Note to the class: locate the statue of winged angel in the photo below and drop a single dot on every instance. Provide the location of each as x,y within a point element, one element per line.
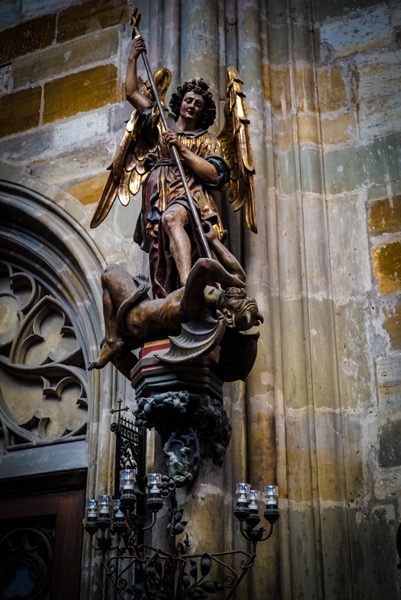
<point>166,228</point>
<point>181,166</point>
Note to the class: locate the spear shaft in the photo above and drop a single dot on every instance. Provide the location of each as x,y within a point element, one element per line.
<point>192,207</point>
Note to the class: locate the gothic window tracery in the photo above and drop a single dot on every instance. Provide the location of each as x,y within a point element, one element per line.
<point>43,383</point>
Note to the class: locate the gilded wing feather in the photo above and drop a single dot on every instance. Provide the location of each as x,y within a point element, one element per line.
<point>235,142</point>
<point>127,171</point>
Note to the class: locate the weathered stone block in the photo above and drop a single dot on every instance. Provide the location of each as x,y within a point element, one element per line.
<point>386,259</point>
<point>89,190</point>
<point>20,111</point>
<point>299,449</point>
<point>281,90</point>
<point>389,438</point>
<point>353,362</point>
<point>353,461</point>
<point>339,130</point>
<point>362,30</point>
<point>65,170</point>
<point>349,250</point>
<point>22,148</point>
<point>310,167</point>
<point>10,13</point>
<point>266,85</point>
<point>336,555</point>
<point>385,215</point>
<point>80,92</point>
<point>343,170</point>
<point>348,168</point>
<point>392,325</point>
<point>306,581</point>
<point>338,443</point>
<point>331,87</point>
<point>278,43</point>
<point>329,9</point>
<point>379,84</point>
<point>382,158</point>
<point>388,370</point>
<point>372,535</point>
<point>27,37</point>
<point>305,88</point>
<point>303,38</point>
<point>35,8</point>
<point>91,16</point>
<point>82,131</point>
<point>283,131</point>
<point>321,342</point>
<point>52,62</point>
<point>308,129</point>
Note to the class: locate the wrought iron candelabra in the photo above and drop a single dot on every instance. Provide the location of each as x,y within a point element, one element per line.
<point>117,529</point>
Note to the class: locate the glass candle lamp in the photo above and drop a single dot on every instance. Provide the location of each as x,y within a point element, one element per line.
<point>241,511</point>
<point>127,480</point>
<point>154,483</point>
<point>271,513</point>
<point>155,502</point>
<point>242,493</point>
<point>252,500</point>
<point>104,506</point>
<point>271,496</point>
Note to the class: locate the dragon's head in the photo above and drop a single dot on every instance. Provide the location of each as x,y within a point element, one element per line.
<point>238,310</point>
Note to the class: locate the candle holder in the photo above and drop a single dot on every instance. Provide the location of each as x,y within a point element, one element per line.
<point>141,571</point>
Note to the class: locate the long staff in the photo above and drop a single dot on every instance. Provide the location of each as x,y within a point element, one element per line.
<point>135,19</point>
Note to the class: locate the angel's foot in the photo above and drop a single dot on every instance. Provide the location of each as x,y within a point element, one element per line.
<point>109,349</point>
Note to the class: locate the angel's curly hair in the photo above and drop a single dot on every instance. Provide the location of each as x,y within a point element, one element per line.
<point>197,86</point>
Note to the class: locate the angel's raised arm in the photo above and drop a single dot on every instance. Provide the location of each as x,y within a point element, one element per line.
<point>134,96</point>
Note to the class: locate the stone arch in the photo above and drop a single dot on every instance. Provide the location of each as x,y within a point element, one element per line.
<point>54,267</point>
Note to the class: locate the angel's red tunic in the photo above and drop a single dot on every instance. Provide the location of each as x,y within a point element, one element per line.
<point>164,187</point>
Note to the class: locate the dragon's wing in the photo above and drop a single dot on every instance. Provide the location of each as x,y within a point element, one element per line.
<point>234,139</point>
<point>127,171</point>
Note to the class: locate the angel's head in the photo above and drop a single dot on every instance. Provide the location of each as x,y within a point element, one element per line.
<point>200,88</point>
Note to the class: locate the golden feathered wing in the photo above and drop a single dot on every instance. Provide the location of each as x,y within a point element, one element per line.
<point>235,142</point>
<point>127,171</point>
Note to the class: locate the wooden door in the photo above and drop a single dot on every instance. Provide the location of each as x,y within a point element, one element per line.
<point>40,546</point>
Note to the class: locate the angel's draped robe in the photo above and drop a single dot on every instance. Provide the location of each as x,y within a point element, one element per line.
<point>163,187</point>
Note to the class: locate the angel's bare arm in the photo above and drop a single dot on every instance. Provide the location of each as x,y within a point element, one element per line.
<point>134,96</point>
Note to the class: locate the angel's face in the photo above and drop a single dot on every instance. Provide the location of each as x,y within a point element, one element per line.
<point>191,108</point>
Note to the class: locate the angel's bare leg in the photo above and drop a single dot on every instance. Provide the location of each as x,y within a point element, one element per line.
<point>117,285</point>
<point>174,220</point>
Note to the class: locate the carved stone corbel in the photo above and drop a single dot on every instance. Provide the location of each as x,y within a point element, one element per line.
<point>184,405</point>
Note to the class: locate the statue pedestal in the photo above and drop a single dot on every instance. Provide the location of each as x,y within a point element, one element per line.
<point>183,402</point>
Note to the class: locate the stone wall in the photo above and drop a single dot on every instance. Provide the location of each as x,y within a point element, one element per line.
<point>321,413</point>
